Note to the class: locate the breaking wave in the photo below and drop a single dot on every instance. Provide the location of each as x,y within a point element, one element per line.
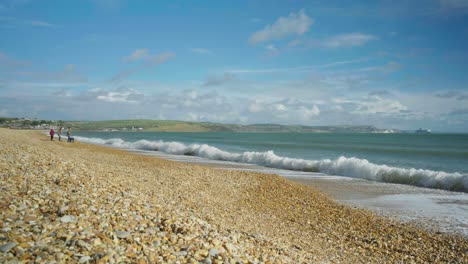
<point>342,166</point>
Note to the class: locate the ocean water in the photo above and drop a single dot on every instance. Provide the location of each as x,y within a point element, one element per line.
<point>438,161</point>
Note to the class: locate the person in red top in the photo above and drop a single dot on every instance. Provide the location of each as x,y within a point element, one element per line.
<point>52,133</point>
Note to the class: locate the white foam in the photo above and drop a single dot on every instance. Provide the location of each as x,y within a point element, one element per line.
<point>342,166</point>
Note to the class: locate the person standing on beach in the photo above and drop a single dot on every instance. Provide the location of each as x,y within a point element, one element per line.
<point>69,134</point>
<point>59,133</point>
<point>51,133</point>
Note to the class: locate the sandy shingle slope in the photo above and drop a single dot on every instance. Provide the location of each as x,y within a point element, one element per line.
<point>81,203</point>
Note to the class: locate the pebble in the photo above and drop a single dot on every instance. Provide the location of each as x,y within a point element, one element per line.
<point>7,246</point>
<point>68,219</point>
<point>122,234</point>
<point>84,259</point>
<point>214,252</point>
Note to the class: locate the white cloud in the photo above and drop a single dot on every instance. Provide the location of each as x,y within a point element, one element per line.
<point>289,111</point>
<point>346,40</point>
<point>294,24</point>
<point>119,95</point>
<point>377,105</point>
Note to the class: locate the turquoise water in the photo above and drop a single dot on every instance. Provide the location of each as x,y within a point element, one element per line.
<point>429,160</point>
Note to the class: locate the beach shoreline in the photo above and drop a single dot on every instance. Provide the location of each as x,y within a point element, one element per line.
<point>434,210</point>
<point>204,213</point>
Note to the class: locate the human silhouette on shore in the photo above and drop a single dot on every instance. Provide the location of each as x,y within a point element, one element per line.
<point>69,135</point>
<point>52,133</point>
<point>59,133</point>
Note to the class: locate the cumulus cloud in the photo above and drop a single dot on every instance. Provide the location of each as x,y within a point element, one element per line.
<point>376,104</point>
<point>370,105</point>
<point>295,24</point>
<point>119,95</point>
<point>291,111</point>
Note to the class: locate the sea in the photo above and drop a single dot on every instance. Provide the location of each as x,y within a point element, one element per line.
<point>420,178</point>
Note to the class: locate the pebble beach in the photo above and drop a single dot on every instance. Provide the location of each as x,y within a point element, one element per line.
<point>79,203</point>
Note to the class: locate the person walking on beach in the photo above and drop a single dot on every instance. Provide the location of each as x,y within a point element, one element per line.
<point>59,133</point>
<point>69,134</point>
<point>51,133</point>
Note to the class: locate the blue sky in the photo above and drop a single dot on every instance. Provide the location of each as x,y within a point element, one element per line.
<point>392,64</point>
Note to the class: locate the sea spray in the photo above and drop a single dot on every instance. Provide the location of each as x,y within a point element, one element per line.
<point>342,166</point>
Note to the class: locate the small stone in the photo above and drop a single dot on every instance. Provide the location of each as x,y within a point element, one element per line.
<point>97,242</point>
<point>207,261</point>
<point>216,242</point>
<point>84,259</point>
<point>214,252</point>
<point>203,252</point>
<point>122,234</point>
<point>67,219</point>
<point>62,210</point>
<point>7,247</point>
<point>29,218</point>
<point>25,245</point>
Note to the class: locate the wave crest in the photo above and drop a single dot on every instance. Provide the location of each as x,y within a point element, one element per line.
<point>342,166</point>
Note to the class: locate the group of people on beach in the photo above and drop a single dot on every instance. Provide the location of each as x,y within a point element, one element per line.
<point>59,133</point>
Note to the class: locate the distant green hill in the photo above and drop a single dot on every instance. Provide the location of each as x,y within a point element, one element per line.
<point>182,126</point>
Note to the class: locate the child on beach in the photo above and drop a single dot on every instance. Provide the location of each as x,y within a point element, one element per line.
<point>51,133</point>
